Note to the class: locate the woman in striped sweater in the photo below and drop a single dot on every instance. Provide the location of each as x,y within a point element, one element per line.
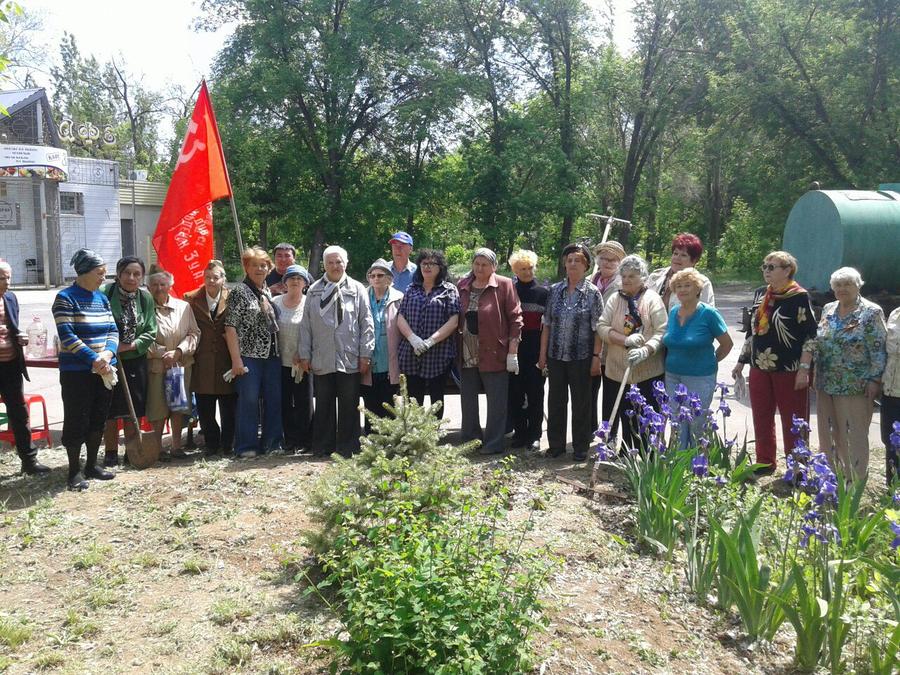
<point>88,340</point>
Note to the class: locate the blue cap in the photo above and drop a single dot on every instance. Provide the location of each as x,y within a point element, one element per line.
<point>297,271</point>
<point>402,237</point>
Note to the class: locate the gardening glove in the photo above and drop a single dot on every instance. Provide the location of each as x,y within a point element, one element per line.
<point>110,379</point>
<point>512,363</point>
<point>297,373</point>
<point>635,356</point>
<point>417,344</point>
<point>634,340</point>
<point>228,376</point>
<point>427,343</point>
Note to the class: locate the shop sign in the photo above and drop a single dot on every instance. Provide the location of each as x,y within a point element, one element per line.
<point>23,161</point>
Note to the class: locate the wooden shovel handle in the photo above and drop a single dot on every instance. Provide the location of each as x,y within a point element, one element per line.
<point>124,381</point>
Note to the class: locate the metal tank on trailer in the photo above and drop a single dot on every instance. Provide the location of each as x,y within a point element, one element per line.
<point>828,229</point>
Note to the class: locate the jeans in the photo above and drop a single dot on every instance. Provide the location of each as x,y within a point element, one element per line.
<point>703,386</point>
<point>263,381</point>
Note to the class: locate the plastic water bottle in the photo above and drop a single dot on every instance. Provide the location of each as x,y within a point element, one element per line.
<point>37,339</point>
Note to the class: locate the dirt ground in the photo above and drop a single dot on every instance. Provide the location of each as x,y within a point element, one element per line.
<point>190,567</point>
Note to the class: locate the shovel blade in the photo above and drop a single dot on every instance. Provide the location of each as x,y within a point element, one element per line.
<point>142,449</point>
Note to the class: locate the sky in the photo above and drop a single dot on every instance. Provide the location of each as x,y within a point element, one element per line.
<point>156,39</point>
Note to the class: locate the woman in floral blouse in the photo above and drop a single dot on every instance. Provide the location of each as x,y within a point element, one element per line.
<point>849,357</point>
<point>782,324</point>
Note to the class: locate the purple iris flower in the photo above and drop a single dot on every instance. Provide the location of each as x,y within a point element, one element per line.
<point>603,432</point>
<point>723,388</point>
<point>681,394</point>
<point>800,427</point>
<point>724,408</point>
<point>700,466</point>
<point>659,392</point>
<point>895,436</point>
<point>721,481</point>
<point>704,443</point>
<point>895,528</point>
<point>604,452</point>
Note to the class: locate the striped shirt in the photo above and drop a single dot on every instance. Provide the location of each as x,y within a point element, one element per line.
<point>86,327</point>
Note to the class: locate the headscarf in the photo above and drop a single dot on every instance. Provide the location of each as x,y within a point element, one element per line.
<point>611,246</point>
<point>128,325</point>
<point>485,253</point>
<point>85,260</point>
<point>763,315</point>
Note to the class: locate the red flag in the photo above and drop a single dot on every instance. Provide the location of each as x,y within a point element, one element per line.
<point>184,232</point>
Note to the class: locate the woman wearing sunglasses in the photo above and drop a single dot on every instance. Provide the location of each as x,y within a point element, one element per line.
<point>782,325</point>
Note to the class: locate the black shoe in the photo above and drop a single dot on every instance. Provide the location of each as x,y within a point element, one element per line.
<point>518,442</point>
<point>210,451</point>
<point>77,483</point>
<point>533,445</point>
<point>580,455</point>
<point>97,473</point>
<point>764,470</point>
<point>32,467</point>
<point>556,452</point>
<point>111,459</point>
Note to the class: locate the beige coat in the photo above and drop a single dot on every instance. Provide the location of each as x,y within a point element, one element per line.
<point>654,317</point>
<point>211,359</point>
<point>176,328</point>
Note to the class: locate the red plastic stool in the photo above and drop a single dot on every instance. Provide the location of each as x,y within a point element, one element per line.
<point>36,434</point>
<point>144,423</point>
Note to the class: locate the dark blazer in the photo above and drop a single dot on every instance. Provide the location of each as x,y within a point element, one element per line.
<point>11,307</point>
<point>211,359</point>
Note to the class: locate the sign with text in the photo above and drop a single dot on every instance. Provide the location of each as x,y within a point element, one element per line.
<point>23,161</point>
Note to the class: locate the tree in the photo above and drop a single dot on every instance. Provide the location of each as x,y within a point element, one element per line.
<point>20,54</point>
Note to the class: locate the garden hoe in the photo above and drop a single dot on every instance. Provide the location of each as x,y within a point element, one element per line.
<point>143,447</point>
<point>612,416</point>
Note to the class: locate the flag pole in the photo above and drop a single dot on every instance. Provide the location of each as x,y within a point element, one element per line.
<point>234,215</point>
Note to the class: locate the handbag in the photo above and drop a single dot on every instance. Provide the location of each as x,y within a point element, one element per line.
<point>173,385</point>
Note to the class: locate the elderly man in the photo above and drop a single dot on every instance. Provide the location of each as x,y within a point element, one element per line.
<point>12,371</point>
<point>402,268</point>
<point>337,339</point>
<point>284,257</point>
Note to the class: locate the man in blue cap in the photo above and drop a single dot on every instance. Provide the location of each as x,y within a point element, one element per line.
<point>402,268</point>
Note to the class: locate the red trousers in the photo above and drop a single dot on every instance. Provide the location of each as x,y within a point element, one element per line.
<point>770,391</point>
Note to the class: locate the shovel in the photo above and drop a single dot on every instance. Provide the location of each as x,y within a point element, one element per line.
<point>142,449</point>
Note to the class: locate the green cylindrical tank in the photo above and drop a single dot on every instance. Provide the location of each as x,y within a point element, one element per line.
<point>828,229</point>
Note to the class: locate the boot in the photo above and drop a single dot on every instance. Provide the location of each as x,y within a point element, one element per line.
<point>31,466</point>
<point>76,481</point>
<point>91,470</point>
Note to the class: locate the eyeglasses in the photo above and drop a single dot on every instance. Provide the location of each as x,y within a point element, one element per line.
<point>379,275</point>
<point>769,267</point>
<point>428,263</point>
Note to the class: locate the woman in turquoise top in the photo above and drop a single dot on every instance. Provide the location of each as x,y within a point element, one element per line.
<point>692,361</point>
<point>849,353</point>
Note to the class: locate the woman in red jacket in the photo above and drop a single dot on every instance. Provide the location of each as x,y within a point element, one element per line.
<point>490,327</point>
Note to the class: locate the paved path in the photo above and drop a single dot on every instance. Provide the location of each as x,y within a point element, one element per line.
<point>730,299</point>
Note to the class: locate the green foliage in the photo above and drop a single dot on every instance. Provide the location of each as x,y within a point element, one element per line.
<point>13,631</point>
<point>745,243</point>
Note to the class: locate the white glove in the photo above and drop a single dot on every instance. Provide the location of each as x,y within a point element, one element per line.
<point>634,340</point>
<point>228,376</point>
<point>110,379</point>
<point>512,363</point>
<point>427,344</point>
<point>417,343</point>
<point>635,356</point>
<point>297,373</point>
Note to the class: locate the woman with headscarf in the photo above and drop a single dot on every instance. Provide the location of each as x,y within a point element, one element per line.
<point>607,257</point>
<point>782,325</point>
<point>336,344</point>
<point>135,314</point>
<point>88,342</point>
<point>211,361</point>
<point>632,326</point>
<point>430,308</point>
<point>176,341</point>
<point>686,252</point>
<point>296,388</point>
<point>382,381</point>
<point>251,333</point>
<point>490,328</point>
<point>570,352</point>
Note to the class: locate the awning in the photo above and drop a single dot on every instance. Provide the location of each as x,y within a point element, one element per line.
<point>42,161</point>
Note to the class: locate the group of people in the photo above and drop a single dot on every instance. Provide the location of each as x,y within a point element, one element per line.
<point>286,358</point>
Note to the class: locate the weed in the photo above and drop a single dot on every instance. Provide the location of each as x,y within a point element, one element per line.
<point>79,627</point>
<point>49,660</point>
<point>183,518</point>
<point>13,632</point>
<point>194,566</point>
<point>233,652</point>
<point>164,628</point>
<point>288,630</point>
<point>94,556</point>
<point>102,597</point>
<point>227,611</point>
<point>146,559</point>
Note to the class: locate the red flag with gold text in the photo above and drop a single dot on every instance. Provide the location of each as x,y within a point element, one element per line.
<point>184,232</point>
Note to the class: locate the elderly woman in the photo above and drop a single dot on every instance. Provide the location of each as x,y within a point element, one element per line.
<point>632,325</point>
<point>849,354</point>
<point>336,343</point>
<point>890,397</point>
<point>490,329</point>
<point>88,342</point>
<point>177,336</point>
<point>430,307</point>
<point>380,384</point>
<point>692,359</point>
<point>607,257</point>
<point>686,252</point>
<point>568,350</point>
<point>782,323</point>
<point>211,360</point>
<point>296,390</point>
<point>525,414</point>
<point>251,333</point>
<point>135,316</point>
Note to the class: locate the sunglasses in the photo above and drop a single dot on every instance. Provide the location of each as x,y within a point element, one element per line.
<point>377,275</point>
<point>769,267</point>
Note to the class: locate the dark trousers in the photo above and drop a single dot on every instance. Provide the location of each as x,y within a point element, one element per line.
<point>214,436</point>
<point>417,387</point>
<point>569,377</point>
<point>11,382</point>
<point>336,420</point>
<point>375,395</point>
<point>526,403</point>
<point>85,407</point>
<point>496,390</point>
<point>296,409</point>
<point>630,436</point>
<point>890,413</point>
